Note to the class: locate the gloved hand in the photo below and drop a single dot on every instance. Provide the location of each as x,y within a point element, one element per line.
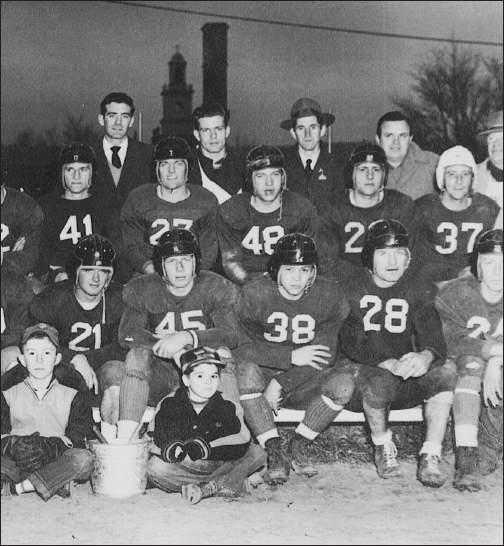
<point>8,442</point>
<point>174,452</point>
<point>33,452</point>
<point>197,448</point>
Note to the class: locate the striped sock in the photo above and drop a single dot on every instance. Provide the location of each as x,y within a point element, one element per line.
<point>319,415</point>
<point>133,399</point>
<point>258,415</point>
<point>466,410</point>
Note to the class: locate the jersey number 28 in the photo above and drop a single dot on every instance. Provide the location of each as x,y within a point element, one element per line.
<point>396,314</point>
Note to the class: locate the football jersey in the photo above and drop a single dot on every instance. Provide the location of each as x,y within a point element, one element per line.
<point>389,322</point>
<point>16,295</point>
<point>151,309</point>
<point>21,217</point>
<point>446,237</point>
<point>248,236</point>
<point>66,221</point>
<point>471,325</point>
<point>93,331</point>
<point>349,222</point>
<point>273,326</point>
<point>145,217</point>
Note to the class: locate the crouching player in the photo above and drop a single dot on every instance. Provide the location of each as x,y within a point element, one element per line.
<point>395,351</point>
<point>202,447</point>
<point>471,311</point>
<point>44,423</point>
<point>290,328</point>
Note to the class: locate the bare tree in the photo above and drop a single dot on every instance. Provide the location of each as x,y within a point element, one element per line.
<point>455,89</point>
<point>76,129</point>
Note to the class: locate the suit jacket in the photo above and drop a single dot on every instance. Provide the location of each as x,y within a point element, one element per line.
<point>324,183</point>
<point>135,171</point>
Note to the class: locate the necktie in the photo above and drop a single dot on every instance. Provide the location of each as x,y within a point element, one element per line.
<point>116,160</point>
<point>308,169</point>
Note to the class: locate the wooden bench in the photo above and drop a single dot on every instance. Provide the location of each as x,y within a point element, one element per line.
<point>296,416</point>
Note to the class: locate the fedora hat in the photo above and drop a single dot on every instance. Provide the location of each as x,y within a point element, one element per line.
<point>308,107</point>
<point>493,124</point>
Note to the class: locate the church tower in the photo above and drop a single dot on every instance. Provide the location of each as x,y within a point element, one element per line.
<point>177,101</point>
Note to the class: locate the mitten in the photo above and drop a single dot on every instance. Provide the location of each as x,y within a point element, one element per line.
<point>197,448</point>
<point>174,452</point>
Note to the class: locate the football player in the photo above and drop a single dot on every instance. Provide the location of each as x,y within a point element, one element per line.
<point>471,311</point>
<point>181,307</point>
<point>86,310</point>
<point>395,351</point>
<point>366,201</point>
<point>250,224</point>
<point>449,223</point>
<point>74,212</point>
<point>290,323</point>
<point>151,210</point>
<point>22,220</point>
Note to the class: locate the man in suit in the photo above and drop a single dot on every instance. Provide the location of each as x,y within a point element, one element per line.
<point>123,163</point>
<point>311,170</point>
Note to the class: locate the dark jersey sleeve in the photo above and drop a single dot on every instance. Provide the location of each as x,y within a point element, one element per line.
<point>5,416</point>
<point>21,217</point>
<point>134,326</point>
<point>80,420</point>
<point>133,230</point>
<point>16,297</point>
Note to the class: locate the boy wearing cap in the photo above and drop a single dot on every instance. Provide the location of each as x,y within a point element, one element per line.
<point>152,210</point>
<point>489,173</point>
<point>202,447</point>
<point>311,170</point>
<point>44,424</point>
<point>449,223</point>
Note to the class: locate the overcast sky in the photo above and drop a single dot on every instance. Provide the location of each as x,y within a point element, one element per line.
<point>62,58</point>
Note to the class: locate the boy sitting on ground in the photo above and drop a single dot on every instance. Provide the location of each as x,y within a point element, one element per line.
<point>201,442</point>
<point>44,424</point>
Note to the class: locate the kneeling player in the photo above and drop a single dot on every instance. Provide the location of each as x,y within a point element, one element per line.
<point>291,324</point>
<point>395,350</point>
<point>471,311</point>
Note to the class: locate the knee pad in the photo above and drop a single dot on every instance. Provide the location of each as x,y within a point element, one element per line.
<point>138,363</point>
<point>379,389</point>
<point>339,387</point>
<point>470,365</point>
<point>110,374</point>
<point>250,378</point>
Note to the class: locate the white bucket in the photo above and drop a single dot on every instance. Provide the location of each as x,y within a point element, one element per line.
<point>119,467</point>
